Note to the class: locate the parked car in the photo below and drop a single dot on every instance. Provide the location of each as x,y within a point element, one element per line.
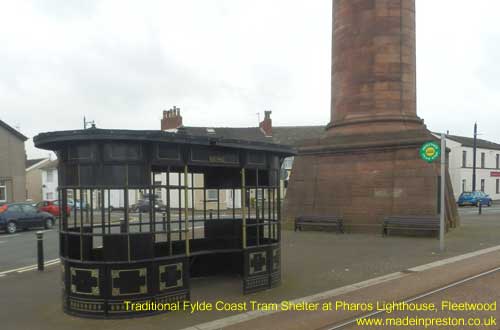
<point>143,205</point>
<point>474,198</point>
<point>79,205</point>
<point>52,207</point>
<point>17,216</point>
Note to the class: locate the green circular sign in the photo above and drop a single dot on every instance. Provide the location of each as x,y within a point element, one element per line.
<point>430,151</point>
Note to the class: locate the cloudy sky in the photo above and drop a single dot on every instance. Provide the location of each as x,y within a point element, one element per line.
<point>120,63</point>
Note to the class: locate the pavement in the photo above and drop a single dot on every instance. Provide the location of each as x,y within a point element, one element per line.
<point>313,263</point>
<point>410,284</point>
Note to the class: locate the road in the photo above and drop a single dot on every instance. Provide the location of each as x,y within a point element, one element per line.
<point>19,250</point>
<point>470,210</point>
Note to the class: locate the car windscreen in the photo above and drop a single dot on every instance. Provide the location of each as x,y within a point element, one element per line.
<point>28,209</point>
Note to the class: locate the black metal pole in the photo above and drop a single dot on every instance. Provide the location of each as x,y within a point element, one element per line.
<point>39,240</point>
<point>474,152</point>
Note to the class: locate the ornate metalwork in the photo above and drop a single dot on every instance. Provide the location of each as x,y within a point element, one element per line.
<point>170,276</point>
<point>138,235</point>
<point>129,282</point>
<point>85,281</point>
<point>257,262</point>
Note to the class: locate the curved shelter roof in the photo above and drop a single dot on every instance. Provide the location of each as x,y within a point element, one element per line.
<point>51,140</point>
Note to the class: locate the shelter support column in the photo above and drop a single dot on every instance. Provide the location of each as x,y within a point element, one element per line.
<point>186,211</point>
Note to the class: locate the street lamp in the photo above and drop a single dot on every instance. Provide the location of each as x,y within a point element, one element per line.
<point>474,152</point>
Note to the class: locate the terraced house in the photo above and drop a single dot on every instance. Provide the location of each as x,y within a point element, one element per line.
<point>12,165</point>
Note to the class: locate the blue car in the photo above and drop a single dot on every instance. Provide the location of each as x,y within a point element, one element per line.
<point>474,198</point>
<point>79,205</point>
<point>17,216</point>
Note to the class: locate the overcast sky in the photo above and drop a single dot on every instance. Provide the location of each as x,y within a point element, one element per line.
<point>121,63</point>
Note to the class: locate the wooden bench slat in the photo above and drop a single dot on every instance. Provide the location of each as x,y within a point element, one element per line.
<point>428,223</point>
<point>319,220</point>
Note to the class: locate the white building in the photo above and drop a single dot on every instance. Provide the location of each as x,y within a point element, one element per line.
<point>49,180</point>
<point>487,165</point>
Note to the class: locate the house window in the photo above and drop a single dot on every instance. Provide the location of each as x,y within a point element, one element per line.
<point>483,156</point>
<point>498,161</point>
<point>287,163</point>
<point>50,175</point>
<point>482,185</point>
<point>3,194</point>
<point>464,185</point>
<point>212,194</point>
<point>464,158</point>
<point>498,186</point>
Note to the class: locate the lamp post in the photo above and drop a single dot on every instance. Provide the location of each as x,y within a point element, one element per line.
<point>474,152</point>
<point>443,192</point>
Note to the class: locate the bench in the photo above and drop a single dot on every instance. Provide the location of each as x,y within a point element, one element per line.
<point>319,220</point>
<point>420,223</point>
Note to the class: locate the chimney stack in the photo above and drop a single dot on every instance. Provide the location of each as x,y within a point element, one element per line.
<point>172,119</point>
<point>267,124</point>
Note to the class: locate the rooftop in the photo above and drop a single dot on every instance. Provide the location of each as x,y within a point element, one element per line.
<point>242,138</point>
<point>469,142</point>
<point>15,132</point>
<point>50,165</point>
<point>284,135</point>
<point>31,162</point>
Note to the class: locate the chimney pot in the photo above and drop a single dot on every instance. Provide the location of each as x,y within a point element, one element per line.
<point>267,124</point>
<point>172,119</point>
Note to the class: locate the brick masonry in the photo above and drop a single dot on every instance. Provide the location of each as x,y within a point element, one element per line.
<point>365,184</point>
<point>368,165</point>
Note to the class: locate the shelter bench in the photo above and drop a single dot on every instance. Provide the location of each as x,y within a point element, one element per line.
<point>319,220</point>
<point>417,223</point>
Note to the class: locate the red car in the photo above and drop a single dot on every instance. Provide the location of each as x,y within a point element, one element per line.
<point>52,207</point>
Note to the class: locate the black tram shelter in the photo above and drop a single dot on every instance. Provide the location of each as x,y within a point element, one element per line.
<point>112,253</point>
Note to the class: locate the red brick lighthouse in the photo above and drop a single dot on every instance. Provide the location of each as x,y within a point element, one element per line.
<point>367,165</point>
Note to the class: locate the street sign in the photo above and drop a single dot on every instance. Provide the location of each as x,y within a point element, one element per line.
<point>430,151</point>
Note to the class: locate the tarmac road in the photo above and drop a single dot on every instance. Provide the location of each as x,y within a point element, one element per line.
<point>472,210</point>
<point>19,250</point>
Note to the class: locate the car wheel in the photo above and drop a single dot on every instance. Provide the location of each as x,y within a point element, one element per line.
<point>11,227</point>
<point>49,223</point>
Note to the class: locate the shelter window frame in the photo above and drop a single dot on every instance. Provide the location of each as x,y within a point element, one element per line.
<point>168,152</point>
<point>212,195</point>
<point>81,152</point>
